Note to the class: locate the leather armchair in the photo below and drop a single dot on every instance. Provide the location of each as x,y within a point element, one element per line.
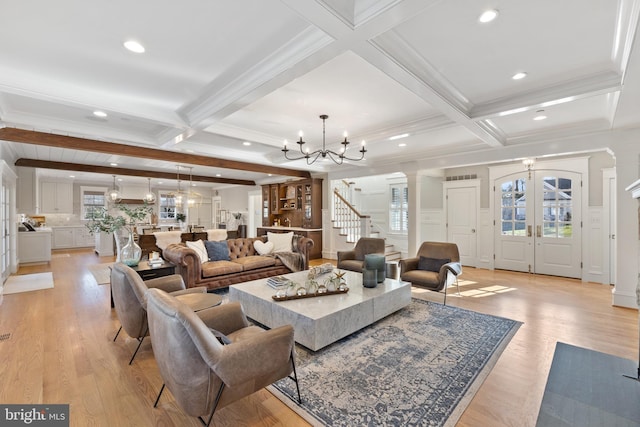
<point>437,280</point>
<point>129,290</point>
<point>203,374</point>
<point>353,260</point>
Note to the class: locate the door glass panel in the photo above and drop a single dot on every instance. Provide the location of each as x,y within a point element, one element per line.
<point>507,228</point>
<point>556,207</point>
<point>513,211</point>
<point>520,229</point>
<point>549,229</point>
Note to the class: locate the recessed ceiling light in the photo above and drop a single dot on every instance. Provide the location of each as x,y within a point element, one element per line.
<point>120,179</point>
<point>159,182</point>
<point>488,16</point>
<point>72,176</point>
<point>270,175</point>
<point>134,46</point>
<point>246,143</point>
<point>218,175</point>
<point>402,144</point>
<point>393,138</point>
<point>519,76</point>
<point>99,113</point>
<point>113,164</point>
<point>540,115</point>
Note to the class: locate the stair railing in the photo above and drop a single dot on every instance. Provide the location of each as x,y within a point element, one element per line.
<point>347,218</point>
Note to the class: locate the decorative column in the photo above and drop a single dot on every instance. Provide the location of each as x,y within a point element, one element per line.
<point>413,230</point>
<point>635,193</point>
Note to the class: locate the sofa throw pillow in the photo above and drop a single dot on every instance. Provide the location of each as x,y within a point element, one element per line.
<point>224,340</point>
<point>263,248</point>
<point>431,264</point>
<point>198,246</point>
<point>217,251</point>
<point>281,241</point>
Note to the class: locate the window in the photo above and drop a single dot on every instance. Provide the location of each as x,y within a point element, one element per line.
<point>167,206</point>
<point>93,202</point>
<point>399,208</point>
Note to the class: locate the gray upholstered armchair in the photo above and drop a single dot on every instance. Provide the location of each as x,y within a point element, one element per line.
<point>434,267</point>
<point>202,373</point>
<point>128,290</point>
<point>354,259</point>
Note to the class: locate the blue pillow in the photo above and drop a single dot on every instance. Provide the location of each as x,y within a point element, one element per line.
<point>217,251</point>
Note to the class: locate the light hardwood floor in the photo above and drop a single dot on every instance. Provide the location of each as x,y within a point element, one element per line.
<point>60,348</point>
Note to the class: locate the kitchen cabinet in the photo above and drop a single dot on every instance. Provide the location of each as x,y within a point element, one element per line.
<point>26,199</point>
<point>34,246</point>
<point>56,197</point>
<point>72,237</point>
<point>294,203</point>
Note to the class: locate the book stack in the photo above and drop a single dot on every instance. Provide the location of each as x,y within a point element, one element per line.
<point>155,262</point>
<point>277,281</point>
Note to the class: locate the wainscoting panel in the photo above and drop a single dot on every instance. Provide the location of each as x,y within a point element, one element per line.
<point>485,239</point>
<point>433,225</point>
<point>593,259</point>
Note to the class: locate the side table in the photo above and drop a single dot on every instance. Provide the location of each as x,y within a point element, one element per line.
<point>148,271</point>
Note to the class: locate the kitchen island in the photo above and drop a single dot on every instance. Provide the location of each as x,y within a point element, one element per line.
<point>34,246</point>
<point>314,234</point>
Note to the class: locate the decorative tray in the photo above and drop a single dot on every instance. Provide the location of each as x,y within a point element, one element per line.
<point>290,297</point>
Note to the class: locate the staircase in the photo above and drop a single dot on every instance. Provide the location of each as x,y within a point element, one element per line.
<point>351,224</point>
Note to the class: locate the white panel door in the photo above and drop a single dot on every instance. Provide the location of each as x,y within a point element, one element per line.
<point>462,222</point>
<point>513,223</point>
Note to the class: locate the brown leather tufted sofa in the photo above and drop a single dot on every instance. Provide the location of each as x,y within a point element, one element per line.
<point>245,265</point>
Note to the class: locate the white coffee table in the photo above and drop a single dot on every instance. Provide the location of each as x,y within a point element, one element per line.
<point>320,321</point>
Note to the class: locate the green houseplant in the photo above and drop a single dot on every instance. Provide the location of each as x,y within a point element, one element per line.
<point>106,222</point>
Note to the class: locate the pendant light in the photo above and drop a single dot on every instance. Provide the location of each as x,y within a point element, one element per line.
<point>113,195</point>
<point>190,196</point>
<point>178,197</point>
<point>150,197</point>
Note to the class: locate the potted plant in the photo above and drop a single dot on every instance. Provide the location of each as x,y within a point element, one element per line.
<point>105,222</point>
<point>181,218</point>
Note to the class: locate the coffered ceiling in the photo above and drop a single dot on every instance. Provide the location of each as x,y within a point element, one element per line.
<point>216,76</point>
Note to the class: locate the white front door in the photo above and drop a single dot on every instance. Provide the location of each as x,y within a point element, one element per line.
<point>462,222</point>
<point>539,223</point>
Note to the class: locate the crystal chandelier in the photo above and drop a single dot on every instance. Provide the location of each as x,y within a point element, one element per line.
<point>311,157</point>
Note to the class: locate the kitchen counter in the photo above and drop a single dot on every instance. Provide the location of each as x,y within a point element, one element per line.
<point>314,234</point>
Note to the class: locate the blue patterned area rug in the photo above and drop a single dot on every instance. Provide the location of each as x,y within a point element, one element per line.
<point>419,366</point>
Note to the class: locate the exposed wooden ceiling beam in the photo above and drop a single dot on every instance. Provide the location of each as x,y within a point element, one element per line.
<point>63,141</point>
<point>45,164</point>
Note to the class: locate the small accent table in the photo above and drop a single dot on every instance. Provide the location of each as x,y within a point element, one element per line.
<point>148,271</point>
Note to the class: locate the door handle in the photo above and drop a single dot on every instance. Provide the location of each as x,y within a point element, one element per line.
<point>528,231</point>
<point>473,230</point>
<point>538,231</point>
